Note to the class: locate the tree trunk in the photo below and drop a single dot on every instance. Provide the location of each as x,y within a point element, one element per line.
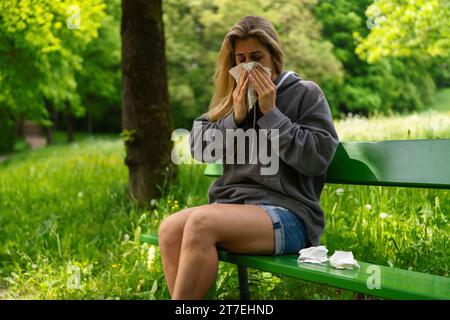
<point>49,135</point>
<point>89,120</point>
<point>55,119</point>
<point>48,129</point>
<point>69,119</point>
<point>145,99</point>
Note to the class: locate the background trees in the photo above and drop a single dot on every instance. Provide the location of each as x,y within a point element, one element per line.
<point>41,52</point>
<point>390,84</point>
<point>60,64</point>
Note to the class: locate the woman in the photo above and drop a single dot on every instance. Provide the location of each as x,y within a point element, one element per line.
<point>251,213</point>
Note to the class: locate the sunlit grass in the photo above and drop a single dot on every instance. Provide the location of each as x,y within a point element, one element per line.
<point>426,125</point>
<point>64,212</point>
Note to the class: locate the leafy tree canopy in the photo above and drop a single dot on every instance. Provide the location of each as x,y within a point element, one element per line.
<point>404,28</point>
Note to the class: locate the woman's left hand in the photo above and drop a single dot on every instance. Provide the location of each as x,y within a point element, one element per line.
<point>265,88</point>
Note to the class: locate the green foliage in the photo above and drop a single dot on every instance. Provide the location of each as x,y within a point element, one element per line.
<point>394,83</point>
<point>41,51</point>
<point>128,135</point>
<point>99,80</point>
<point>406,28</point>
<point>441,100</point>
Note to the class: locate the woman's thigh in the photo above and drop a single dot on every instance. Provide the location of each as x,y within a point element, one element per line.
<point>175,222</point>
<point>239,228</point>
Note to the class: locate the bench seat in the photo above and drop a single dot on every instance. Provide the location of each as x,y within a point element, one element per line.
<point>395,283</point>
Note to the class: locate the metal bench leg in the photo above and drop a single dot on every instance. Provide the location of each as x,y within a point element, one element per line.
<point>243,282</point>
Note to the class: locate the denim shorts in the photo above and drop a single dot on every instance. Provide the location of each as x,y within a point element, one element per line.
<point>290,230</point>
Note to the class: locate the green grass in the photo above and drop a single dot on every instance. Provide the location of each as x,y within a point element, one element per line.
<point>441,100</point>
<point>64,211</point>
<point>60,137</point>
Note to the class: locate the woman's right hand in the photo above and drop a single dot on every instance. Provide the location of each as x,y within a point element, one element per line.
<point>240,97</point>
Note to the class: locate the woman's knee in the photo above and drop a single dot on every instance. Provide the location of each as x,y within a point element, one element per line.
<point>170,231</point>
<point>200,226</point>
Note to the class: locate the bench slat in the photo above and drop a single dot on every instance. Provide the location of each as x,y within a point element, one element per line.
<point>403,163</point>
<point>395,283</point>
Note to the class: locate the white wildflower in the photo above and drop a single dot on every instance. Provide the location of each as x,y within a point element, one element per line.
<point>383,215</point>
<point>368,206</point>
<point>80,194</point>
<point>151,256</point>
<point>340,191</point>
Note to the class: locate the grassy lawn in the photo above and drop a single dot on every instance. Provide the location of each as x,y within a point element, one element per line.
<point>441,101</point>
<point>68,230</point>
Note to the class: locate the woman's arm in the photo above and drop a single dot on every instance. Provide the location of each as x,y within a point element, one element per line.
<point>308,144</point>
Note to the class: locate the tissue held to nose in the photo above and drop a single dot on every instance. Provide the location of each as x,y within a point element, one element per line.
<point>236,74</point>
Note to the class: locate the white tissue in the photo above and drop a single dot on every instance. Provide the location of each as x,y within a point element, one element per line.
<point>313,254</point>
<point>317,255</point>
<point>343,260</point>
<point>236,73</point>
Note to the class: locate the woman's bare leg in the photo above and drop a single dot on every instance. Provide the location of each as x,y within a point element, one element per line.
<point>237,228</point>
<point>170,235</point>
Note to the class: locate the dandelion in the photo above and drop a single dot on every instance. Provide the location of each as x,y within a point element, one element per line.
<point>340,191</point>
<point>383,215</point>
<point>115,266</point>
<point>368,206</point>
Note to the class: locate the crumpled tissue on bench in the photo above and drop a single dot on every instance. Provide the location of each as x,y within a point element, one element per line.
<point>343,260</point>
<point>313,255</point>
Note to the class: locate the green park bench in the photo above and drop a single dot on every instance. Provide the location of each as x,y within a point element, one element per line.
<point>401,163</point>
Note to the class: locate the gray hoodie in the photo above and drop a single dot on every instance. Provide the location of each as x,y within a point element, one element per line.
<point>307,143</point>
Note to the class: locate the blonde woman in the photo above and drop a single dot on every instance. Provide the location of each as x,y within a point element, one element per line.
<point>251,213</point>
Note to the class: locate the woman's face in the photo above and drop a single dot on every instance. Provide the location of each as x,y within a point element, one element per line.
<point>252,50</point>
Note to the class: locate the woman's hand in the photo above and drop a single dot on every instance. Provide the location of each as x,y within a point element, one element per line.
<point>265,88</point>
<point>239,98</point>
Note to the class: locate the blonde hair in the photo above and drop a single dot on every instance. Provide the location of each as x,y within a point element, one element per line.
<point>250,26</point>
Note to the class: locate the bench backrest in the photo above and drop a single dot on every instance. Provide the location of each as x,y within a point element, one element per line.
<point>403,163</point>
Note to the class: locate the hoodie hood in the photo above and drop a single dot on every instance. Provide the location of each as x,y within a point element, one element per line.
<point>285,80</point>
